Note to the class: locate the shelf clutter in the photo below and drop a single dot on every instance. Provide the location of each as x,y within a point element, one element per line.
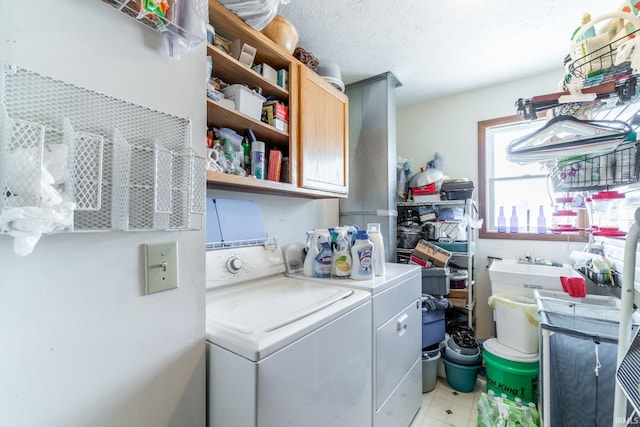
<point>242,79</point>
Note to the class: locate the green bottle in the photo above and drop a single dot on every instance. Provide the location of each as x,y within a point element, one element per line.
<point>246,148</point>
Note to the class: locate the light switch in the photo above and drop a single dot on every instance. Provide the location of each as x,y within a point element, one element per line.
<point>161,266</point>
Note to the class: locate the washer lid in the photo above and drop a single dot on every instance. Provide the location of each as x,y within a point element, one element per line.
<point>260,317</point>
<point>497,349</point>
<point>264,307</point>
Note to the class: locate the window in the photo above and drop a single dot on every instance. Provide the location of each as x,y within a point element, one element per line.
<point>515,187</point>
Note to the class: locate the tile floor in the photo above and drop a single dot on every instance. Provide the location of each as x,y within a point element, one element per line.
<point>445,407</point>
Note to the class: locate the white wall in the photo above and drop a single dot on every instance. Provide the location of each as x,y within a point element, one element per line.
<point>288,218</point>
<point>450,126</point>
<point>80,345</point>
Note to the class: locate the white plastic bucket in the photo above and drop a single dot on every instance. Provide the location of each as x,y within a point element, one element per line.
<point>517,322</point>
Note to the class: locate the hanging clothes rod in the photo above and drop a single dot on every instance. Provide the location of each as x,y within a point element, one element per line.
<point>624,90</point>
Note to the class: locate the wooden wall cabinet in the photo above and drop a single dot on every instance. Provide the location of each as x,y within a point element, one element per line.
<point>323,134</point>
<point>316,142</point>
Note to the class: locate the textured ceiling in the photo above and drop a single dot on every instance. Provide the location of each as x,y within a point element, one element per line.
<point>439,48</point>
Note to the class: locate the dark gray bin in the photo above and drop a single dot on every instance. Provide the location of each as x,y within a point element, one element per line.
<point>435,281</point>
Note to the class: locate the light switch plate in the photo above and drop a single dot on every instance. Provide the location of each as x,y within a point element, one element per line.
<point>161,266</point>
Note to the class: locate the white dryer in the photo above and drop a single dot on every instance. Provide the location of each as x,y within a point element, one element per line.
<point>396,325</point>
<point>281,351</point>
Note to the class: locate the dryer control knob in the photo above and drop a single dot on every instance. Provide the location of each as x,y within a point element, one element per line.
<point>234,265</point>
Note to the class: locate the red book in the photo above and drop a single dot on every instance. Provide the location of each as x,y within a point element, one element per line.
<point>275,160</point>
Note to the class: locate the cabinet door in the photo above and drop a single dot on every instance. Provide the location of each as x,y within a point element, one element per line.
<point>323,134</point>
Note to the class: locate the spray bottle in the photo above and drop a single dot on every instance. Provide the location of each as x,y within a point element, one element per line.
<point>315,246</point>
<point>322,261</point>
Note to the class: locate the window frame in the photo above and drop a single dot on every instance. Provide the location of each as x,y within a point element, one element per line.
<point>483,125</point>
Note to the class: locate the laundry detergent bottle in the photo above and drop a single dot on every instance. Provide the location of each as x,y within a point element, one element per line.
<point>362,257</point>
<point>341,262</point>
<point>378,247</point>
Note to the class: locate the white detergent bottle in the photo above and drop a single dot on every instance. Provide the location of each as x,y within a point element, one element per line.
<point>322,262</point>
<point>378,248</point>
<point>361,257</point>
<point>313,251</point>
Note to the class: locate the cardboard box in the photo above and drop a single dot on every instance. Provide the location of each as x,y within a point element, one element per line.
<point>268,72</point>
<point>428,255</point>
<point>276,109</point>
<point>244,53</point>
<point>458,294</point>
<point>276,115</point>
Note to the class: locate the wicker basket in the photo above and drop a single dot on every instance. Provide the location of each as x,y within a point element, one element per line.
<point>306,58</point>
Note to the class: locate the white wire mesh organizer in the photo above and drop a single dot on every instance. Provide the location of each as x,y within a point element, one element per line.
<point>121,166</point>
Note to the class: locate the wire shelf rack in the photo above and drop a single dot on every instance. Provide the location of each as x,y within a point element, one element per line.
<point>122,166</point>
<point>595,172</point>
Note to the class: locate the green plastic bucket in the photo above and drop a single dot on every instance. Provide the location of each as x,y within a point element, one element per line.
<point>511,372</point>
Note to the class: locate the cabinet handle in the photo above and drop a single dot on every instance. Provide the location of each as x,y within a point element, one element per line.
<point>401,324</point>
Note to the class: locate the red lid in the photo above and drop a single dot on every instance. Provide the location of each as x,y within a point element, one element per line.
<point>608,195</point>
<point>609,231</point>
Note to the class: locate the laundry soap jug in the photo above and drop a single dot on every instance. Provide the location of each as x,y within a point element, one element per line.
<point>322,262</point>
<point>315,246</point>
<point>341,260</point>
<point>361,257</point>
<point>378,248</point>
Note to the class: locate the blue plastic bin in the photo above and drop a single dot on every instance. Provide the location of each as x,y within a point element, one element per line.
<point>432,327</point>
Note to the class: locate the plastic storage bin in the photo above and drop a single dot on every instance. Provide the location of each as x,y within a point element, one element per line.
<point>436,281</point>
<point>432,327</point>
<point>516,322</point>
<point>458,190</point>
<point>511,372</point>
<point>247,101</point>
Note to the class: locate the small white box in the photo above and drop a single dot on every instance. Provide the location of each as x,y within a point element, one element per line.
<point>247,101</point>
<point>426,198</point>
<point>267,72</point>
<point>281,125</point>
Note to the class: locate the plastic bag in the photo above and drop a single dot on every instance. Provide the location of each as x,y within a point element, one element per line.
<point>52,212</point>
<point>27,224</point>
<point>494,411</point>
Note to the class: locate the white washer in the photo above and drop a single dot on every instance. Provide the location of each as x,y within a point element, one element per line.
<point>396,324</point>
<point>284,352</point>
